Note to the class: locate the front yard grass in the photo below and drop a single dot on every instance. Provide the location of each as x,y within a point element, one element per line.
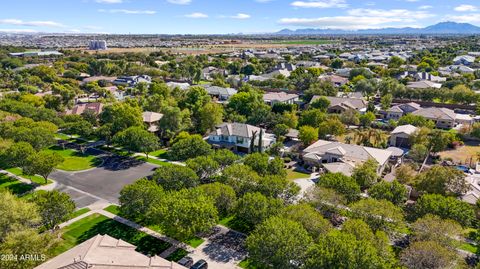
<point>79,212</point>
<point>292,175</point>
<point>94,224</point>
<point>177,255</point>
<point>153,161</point>
<point>161,153</point>
<point>13,185</point>
<point>114,209</point>
<point>75,160</point>
<point>35,179</point>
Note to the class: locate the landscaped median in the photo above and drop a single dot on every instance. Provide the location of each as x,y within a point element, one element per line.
<point>74,160</point>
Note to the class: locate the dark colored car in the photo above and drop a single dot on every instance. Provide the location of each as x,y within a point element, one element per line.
<point>186,261</point>
<point>201,264</point>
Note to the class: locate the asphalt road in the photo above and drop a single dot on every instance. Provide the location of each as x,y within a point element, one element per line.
<point>106,181</point>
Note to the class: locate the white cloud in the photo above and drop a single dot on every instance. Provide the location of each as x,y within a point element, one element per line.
<point>412,1</point>
<point>466,18</point>
<point>241,16</point>
<point>361,19</point>
<point>31,23</point>
<point>425,7</point>
<point>128,11</point>
<point>465,8</point>
<point>109,1</point>
<point>320,4</point>
<point>197,15</point>
<point>180,2</point>
<point>263,1</point>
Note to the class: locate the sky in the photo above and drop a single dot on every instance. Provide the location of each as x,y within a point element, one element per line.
<point>226,16</point>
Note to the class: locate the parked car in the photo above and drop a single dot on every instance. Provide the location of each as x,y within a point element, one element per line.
<point>201,264</point>
<point>186,261</point>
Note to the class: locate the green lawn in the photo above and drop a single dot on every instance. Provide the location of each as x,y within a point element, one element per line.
<point>79,212</point>
<point>154,161</point>
<point>468,247</point>
<point>114,209</point>
<point>75,160</point>
<point>35,179</point>
<point>177,255</point>
<point>247,264</point>
<point>94,224</point>
<point>292,175</point>
<point>235,224</point>
<point>14,186</point>
<point>161,153</point>
<point>194,242</point>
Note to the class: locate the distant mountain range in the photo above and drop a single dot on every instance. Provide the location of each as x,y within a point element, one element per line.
<point>443,28</point>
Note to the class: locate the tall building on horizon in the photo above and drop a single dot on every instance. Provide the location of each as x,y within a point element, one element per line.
<point>97,45</point>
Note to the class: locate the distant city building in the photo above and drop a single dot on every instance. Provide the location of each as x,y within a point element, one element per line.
<point>97,45</point>
<point>36,53</point>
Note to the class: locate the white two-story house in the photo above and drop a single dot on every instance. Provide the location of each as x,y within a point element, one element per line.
<point>238,137</point>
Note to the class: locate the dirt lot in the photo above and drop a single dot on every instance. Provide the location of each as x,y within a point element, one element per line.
<point>463,155</point>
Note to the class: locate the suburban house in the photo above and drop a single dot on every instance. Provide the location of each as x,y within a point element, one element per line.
<point>339,104</point>
<point>220,94</point>
<point>336,80</point>
<point>116,93</point>
<point>104,251</point>
<point>272,98</point>
<point>78,109</point>
<point>442,117</point>
<point>400,137</point>
<point>132,81</point>
<point>181,86</point>
<point>208,73</point>
<point>396,112</point>
<point>238,137</point>
<point>464,60</point>
<point>152,120</point>
<point>420,76</point>
<point>423,84</point>
<point>453,69</point>
<point>338,157</point>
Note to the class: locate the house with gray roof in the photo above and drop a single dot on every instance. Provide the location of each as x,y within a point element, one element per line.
<point>238,137</point>
<point>397,111</point>
<point>400,136</point>
<point>338,157</point>
<point>340,104</point>
<point>272,98</point>
<point>220,94</point>
<point>442,117</point>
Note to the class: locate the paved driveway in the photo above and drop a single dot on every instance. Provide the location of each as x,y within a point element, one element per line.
<point>105,182</point>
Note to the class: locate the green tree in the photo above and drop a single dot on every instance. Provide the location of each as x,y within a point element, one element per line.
<point>418,152</point>
<point>279,243</point>
<point>223,195</point>
<point>17,214</point>
<point>136,199</point>
<point>321,103</point>
<point>434,228</point>
<point>331,126</point>
<point>241,178</point>
<point>311,220</point>
<point>188,147</point>
<point>55,207</point>
<point>209,116</point>
<point>225,157</point>
<point>394,192</point>
<point>176,177</point>
<point>379,214</point>
<point>312,117</point>
<point>343,250</point>
<point>444,207</point>
<point>386,101</point>
<point>366,174</point>
<point>204,166</point>
<point>344,185</point>
<point>308,135</point>
<point>442,180</point>
<point>184,214</point>
<point>121,116</point>
<point>43,163</point>
<point>427,254</point>
<point>367,119</point>
<point>253,208</point>
<point>18,153</point>
<point>137,139</point>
